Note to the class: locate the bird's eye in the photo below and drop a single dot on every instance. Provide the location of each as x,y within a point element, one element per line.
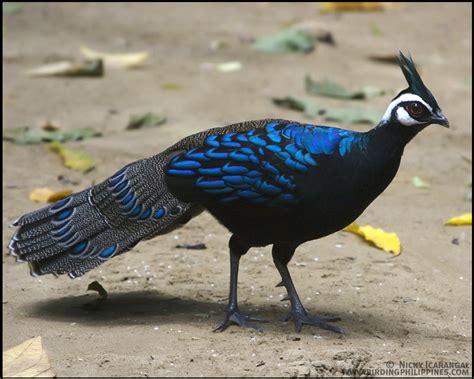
<point>415,109</point>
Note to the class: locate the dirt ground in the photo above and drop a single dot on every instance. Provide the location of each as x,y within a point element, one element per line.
<point>163,301</point>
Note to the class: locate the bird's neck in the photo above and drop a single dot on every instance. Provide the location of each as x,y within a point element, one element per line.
<point>389,140</point>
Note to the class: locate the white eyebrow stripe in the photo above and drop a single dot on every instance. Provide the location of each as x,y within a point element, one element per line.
<point>401,99</point>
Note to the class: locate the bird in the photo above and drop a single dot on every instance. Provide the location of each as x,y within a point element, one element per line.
<point>269,182</point>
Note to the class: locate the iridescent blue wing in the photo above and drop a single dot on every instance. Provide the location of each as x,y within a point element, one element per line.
<point>259,166</point>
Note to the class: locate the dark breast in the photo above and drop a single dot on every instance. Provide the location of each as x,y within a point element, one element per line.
<point>333,196</point>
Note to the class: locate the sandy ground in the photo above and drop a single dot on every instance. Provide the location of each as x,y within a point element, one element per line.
<point>163,301</point>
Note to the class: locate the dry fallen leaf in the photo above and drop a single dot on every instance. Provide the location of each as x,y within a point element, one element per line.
<point>73,159</point>
<point>98,302</point>
<point>67,68</point>
<point>229,66</point>
<point>117,60</point>
<point>464,219</point>
<point>386,241</point>
<point>96,286</point>
<point>357,6</point>
<point>28,359</point>
<point>46,195</point>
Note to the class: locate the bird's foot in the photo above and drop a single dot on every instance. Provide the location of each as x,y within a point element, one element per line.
<point>302,318</point>
<point>244,321</point>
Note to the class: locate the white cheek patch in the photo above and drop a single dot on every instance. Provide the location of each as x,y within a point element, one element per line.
<point>405,119</point>
<point>401,99</point>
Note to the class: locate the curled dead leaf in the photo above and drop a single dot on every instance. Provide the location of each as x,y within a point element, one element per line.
<point>127,60</point>
<point>96,286</point>
<point>66,68</point>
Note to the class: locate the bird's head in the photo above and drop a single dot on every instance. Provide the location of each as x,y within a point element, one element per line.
<point>415,106</point>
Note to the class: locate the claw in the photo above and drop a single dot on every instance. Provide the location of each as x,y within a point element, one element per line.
<point>280,284</point>
<point>244,321</point>
<point>301,319</point>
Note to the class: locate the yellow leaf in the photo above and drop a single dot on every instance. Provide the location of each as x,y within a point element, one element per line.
<point>28,359</point>
<point>66,68</point>
<point>73,159</point>
<point>464,219</point>
<point>356,6</point>
<point>386,241</point>
<point>116,60</point>
<point>46,195</point>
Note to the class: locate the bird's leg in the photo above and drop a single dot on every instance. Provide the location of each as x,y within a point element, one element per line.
<point>281,256</point>
<point>233,315</point>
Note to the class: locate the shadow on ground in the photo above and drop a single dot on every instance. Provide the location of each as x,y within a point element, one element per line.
<point>152,307</point>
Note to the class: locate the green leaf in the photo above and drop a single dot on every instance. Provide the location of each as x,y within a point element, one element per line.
<point>419,183</point>
<point>354,115</point>
<point>26,135</point>
<point>331,89</point>
<point>11,8</point>
<point>171,86</point>
<point>375,29</point>
<point>145,120</point>
<point>289,40</point>
<point>468,81</point>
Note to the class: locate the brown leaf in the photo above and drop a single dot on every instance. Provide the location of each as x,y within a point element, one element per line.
<point>96,286</point>
<point>28,359</point>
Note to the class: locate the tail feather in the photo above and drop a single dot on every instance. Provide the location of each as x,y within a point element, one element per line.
<point>78,233</point>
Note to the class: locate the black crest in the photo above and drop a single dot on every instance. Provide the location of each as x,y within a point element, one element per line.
<point>416,85</point>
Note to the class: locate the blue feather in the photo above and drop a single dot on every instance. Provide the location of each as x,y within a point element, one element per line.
<point>216,155</point>
<point>120,187</point>
<point>211,141</point>
<point>159,213</point>
<point>60,204</point>
<point>236,156</point>
<point>230,144</point>
<point>64,215</point>
<point>78,248</point>
<point>203,183</point>
<point>235,170</point>
<point>108,251</point>
<point>180,172</point>
<point>269,188</point>
<point>122,194</point>
<point>127,199</point>
<point>187,165</point>
<point>210,171</point>
<point>146,214</point>
<point>136,211</point>
<point>257,140</point>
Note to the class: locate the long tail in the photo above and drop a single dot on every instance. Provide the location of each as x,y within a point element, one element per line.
<point>80,232</point>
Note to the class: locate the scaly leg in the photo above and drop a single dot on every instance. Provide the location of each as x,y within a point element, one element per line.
<point>282,253</point>
<point>233,315</point>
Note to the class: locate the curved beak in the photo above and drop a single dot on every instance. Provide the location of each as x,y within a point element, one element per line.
<point>440,119</point>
